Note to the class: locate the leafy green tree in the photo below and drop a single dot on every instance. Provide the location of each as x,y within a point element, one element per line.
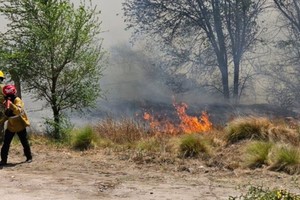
<point>54,48</point>
<point>222,29</point>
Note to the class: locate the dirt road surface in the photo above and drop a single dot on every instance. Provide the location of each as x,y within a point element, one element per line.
<point>58,173</point>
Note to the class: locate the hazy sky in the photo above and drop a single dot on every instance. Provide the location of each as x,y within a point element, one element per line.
<point>112,21</point>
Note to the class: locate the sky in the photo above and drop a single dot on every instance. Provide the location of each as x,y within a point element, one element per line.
<point>112,22</point>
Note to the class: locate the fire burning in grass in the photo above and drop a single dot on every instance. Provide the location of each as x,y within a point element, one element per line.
<point>187,124</point>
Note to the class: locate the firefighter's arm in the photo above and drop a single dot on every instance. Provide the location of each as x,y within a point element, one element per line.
<point>16,107</point>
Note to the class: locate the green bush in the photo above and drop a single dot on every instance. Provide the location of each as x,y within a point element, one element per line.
<point>84,138</point>
<point>60,132</point>
<point>192,146</point>
<point>150,145</point>
<point>256,153</point>
<point>259,193</point>
<point>285,158</point>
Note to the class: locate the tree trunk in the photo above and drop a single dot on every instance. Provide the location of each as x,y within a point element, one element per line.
<point>56,116</point>
<point>17,82</point>
<point>225,84</point>
<point>220,49</point>
<point>236,82</point>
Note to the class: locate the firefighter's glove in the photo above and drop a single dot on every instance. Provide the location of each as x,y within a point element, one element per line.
<point>8,113</point>
<point>8,97</point>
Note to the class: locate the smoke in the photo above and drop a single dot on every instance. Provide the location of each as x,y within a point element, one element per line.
<point>137,78</point>
<point>133,76</point>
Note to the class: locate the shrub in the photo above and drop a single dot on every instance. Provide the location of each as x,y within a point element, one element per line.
<point>84,138</point>
<point>60,132</point>
<point>149,144</point>
<point>256,153</point>
<point>259,193</point>
<point>284,134</point>
<point>171,145</point>
<point>193,145</point>
<point>246,128</point>
<point>285,158</point>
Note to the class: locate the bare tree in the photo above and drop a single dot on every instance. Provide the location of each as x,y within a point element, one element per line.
<point>228,28</point>
<point>285,89</point>
<point>290,9</point>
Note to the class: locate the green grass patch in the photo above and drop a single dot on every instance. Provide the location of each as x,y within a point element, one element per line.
<point>149,145</point>
<point>193,145</point>
<point>260,193</point>
<point>256,153</point>
<point>84,138</point>
<point>285,158</point>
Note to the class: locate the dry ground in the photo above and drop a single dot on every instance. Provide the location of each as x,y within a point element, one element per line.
<point>58,173</point>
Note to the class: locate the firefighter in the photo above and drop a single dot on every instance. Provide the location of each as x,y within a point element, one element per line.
<point>2,77</point>
<point>17,121</point>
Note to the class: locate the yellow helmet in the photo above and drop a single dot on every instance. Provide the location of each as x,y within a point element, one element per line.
<point>1,74</point>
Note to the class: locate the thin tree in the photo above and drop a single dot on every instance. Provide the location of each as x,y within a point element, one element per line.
<point>58,52</point>
<point>290,9</point>
<point>228,28</point>
<point>285,73</point>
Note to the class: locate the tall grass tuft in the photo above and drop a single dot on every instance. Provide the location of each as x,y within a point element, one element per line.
<point>284,134</point>
<point>121,132</point>
<point>285,158</point>
<point>149,145</point>
<point>247,128</point>
<point>192,145</point>
<point>256,153</point>
<point>84,138</point>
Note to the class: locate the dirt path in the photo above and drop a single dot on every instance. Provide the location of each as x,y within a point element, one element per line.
<point>67,175</point>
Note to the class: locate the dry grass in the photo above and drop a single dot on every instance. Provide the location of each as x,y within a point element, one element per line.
<point>259,128</point>
<point>223,148</point>
<point>283,134</point>
<point>123,131</point>
<point>152,144</point>
<point>247,128</point>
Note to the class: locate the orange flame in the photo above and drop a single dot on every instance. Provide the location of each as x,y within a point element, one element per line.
<point>162,125</point>
<point>190,124</point>
<point>187,124</point>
